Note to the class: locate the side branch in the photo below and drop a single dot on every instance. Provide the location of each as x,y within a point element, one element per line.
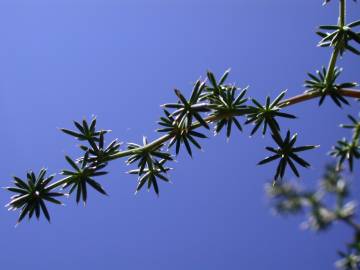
<point>353,93</point>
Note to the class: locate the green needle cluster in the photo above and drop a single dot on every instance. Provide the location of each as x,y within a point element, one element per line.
<point>150,175</point>
<point>32,194</point>
<point>150,163</point>
<point>181,134</point>
<point>340,37</point>
<point>226,104</point>
<point>187,110</point>
<point>287,155</point>
<point>265,114</point>
<point>82,175</point>
<point>319,84</point>
<point>348,149</point>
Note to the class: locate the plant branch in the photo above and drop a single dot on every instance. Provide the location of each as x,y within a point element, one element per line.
<point>353,93</point>
<point>58,183</point>
<point>335,53</point>
<point>342,13</point>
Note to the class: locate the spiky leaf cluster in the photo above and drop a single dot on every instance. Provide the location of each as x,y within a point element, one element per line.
<point>340,37</point>
<point>32,194</point>
<point>92,163</point>
<point>181,134</point>
<point>150,163</point>
<point>150,175</point>
<point>227,106</point>
<point>354,125</point>
<point>265,115</point>
<point>188,110</point>
<point>85,131</point>
<point>286,152</point>
<point>98,153</point>
<point>82,176</point>
<point>320,84</point>
<point>225,102</point>
<point>346,150</point>
<point>215,88</point>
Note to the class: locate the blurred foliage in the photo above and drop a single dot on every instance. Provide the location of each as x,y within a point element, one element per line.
<point>322,213</point>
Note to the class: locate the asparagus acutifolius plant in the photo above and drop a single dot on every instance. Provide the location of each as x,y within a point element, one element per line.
<point>212,104</point>
<point>212,101</point>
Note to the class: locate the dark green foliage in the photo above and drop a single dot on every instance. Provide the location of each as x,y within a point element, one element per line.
<point>287,154</point>
<point>319,84</point>
<point>354,125</point>
<point>150,175</point>
<point>92,163</point>
<point>215,88</point>
<point>187,110</point>
<point>85,131</point>
<point>181,133</point>
<point>227,106</point>
<point>150,163</point>
<point>340,37</point>
<point>81,176</point>
<point>96,140</point>
<point>265,114</point>
<point>147,156</point>
<point>98,153</point>
<point>346,150</point>
<point>31,195</point>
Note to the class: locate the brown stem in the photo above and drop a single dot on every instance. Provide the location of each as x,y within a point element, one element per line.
<point>353,93</point>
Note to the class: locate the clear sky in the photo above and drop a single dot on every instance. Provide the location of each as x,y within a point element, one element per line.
<point>119,60</point>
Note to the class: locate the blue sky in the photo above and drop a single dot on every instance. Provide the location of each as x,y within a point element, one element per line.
<point>119,60</point>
